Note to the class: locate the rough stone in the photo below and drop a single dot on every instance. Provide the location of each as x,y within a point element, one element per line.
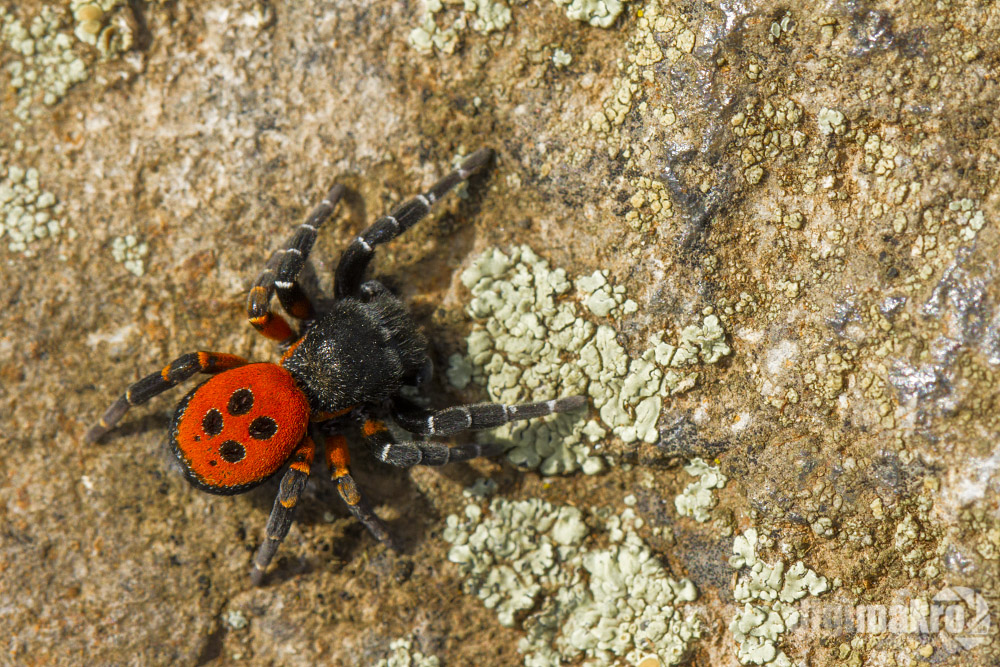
<point>818,182</point>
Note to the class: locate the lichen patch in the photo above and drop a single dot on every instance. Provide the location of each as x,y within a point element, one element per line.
<point>535,338</point>
<point>531,561</point>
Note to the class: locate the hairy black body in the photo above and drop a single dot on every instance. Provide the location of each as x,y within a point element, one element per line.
<point>358,352</point>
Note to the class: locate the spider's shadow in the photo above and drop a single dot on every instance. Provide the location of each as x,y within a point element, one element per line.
<point>381,485</point>
<point>153,422</point>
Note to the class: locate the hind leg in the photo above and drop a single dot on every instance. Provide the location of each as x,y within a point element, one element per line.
<point>293,483</point>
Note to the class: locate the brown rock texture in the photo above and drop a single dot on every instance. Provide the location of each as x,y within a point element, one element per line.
<point>822,179</point>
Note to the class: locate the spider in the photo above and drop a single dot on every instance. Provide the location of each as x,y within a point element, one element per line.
<point>346,366</point>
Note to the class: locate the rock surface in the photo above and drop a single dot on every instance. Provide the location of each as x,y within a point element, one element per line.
<point>823,181</point>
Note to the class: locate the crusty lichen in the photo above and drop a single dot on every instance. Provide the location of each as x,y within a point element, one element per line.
<point>101,24</point>
<point>403,655</point>
<point>598,13</point>
<point>47,66</point>
<point>28,214</point>
<point>488,16</point>
<point>529,561</point>
<point>767,591</point>
<point>697,497</point>
<point>830,121</point>
<point>483,16</point>
<point>531,341</point>
<point>130,253</point>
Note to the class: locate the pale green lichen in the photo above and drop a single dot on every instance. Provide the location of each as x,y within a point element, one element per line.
<point>786,26</point>
<point>128,251</point>
<point>644,49</point>
<point>459,371</point>
<point>830,121</point>
<point>561,59</point>
<point>604,300</point>
<point>698,498</point>
<point>744,550</point>
<point>598,13</point>
<point>28,214</point>
<point>532,342</point>
<point>483,16</point>
<point>528,560</point>
<point>427,35</point>
<point>47,67</point>
<point>767,591</point>
<point>481,488</point>
<point>487,16</point>
<point>554,445</point>
<point>685,41</point>
<point>236,619</point>
<point>403,655</point>
<point>710,339</point>
<point>969,219</point>
<point>510,554</point>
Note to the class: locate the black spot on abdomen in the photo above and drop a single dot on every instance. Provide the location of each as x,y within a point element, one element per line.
<point>232,451</point>
<point>212,422</point>
<point>263,428</point>
<point>240,403</point>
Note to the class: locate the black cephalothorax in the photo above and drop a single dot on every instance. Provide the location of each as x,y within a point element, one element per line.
<point>361,351</point>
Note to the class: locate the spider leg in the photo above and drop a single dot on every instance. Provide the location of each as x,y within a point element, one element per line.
<point>280,275</point>
<point>476,416</point>
<point>292,484</point>
<point>338,459</point>
<point>355,259</point>
<point>175,372</point>
<point>408,454</point>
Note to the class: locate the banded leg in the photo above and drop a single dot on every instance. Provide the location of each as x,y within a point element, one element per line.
<point>338,460</point>
<point>408,454</point>
<point>293,482</point>
<point>281,272</point>
<point>475,417</point>
<point>350,270</point>
<point>175,372</point>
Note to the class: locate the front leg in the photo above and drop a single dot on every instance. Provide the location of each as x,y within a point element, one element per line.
<point>351,269</point>
<point>281,274</point>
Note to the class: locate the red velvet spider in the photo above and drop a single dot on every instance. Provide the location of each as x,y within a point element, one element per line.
<point>346,365</point>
